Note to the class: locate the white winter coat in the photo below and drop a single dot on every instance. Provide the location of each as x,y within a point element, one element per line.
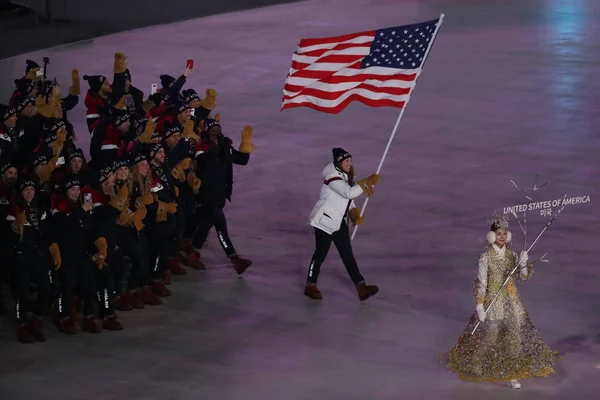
<point>336,195</point>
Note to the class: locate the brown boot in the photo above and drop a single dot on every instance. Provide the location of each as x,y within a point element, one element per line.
<point>90,324</point>
<point>176,268</point>
<point>185,245</point>
<point>24,335</point>
<point>160,289</point>
<point>111,323</point>
<point>240,264</point>
<point>67,325</point>
<point>312,292</point>
<point>366,291</point>
<point>149,298</point>
<point>122,303</point>
<point>136,300</point>
<point>167,277</point>
<point>35,328</point>
<point>193,260</point>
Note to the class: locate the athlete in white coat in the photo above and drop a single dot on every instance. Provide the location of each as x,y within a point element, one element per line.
<point>328,218</point>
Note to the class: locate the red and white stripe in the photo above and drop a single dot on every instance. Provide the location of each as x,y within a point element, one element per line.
<point>325,75</point>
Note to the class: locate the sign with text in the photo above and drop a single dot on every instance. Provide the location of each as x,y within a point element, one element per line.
<point>546,207</point>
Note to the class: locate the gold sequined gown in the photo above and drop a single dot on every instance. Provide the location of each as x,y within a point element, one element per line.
<point>506,345</point>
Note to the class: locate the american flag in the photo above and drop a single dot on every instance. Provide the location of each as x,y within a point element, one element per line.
<point>378,68</point>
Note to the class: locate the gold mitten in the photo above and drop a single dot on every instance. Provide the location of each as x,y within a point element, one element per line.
<point>146,137</point>
<point>161,212</point>
<point>138,218</point>
<point>120,64</point>
<point>126,216</point>
<point>246,146</point>
<point>44,107</point>
<point>102,251</point>
<point>55,253</point>
<point>121,105</point>
<point>188,131</point>
<point>75,88</point>
<point>193,181</point>
<point>367,184</point>
<point>176,192</point>
<point>120,201</point>
<point>179,170</point>
<point>147,198</point>
<point>210,101</point>
<point>171,208</point>
<point>355,217</point>
<point>45,172</point>
<point>17,224</point>
<point>61,138</point>
<point>148,105</point>
<point>32,74</point>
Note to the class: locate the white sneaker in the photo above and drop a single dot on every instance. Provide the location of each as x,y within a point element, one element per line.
<point>514,384</point>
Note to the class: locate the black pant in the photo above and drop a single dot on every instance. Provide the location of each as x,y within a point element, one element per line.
<point>208,216</point>
<point>31,266</point>
<point>104,290</point>
<point>77,270</point>
<point>341,239</point>
<point>133,246</point>
<point>162,245</point>
<point>185,209</point>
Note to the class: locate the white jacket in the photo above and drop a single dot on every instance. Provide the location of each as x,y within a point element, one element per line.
<point>336,196</point>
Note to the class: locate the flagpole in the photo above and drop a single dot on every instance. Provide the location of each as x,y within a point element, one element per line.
<point>389,143</point>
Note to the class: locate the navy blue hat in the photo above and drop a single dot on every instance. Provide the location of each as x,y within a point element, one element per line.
<point>172,129</point>
<point>6,112</point>
<point>77,153</point>
<point>339,155</point>
<point>27,182</point>
<point>70,181</point>
<point>166,81</point>
<point>190,94</point>
<point>209,123</point>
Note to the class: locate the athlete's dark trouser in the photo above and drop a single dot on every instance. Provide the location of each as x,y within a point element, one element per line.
<point>341,239</point>
<point>133,246</point>
<point>77,269</point>
<point>208,216</point>
<point>186,223</point>
<point>162,245</point>
<point>31,266</point>
<point>104,289</point>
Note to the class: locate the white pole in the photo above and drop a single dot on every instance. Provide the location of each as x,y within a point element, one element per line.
<point>389,143</point>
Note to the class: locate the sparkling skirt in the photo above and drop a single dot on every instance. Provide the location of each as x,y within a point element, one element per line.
<point>501,350</point>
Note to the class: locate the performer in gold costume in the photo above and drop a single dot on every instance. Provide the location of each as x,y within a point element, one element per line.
<point>506,346</point>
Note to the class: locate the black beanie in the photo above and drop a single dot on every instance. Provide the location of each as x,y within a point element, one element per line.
<point>102,173</point>
<point>95,82</point>
<point>5,166</point>
<point>137,157</point>
<point>39,158</point>
<point>70,181</point>
<point>166,81</point>
<point>27,182</point>
<point>6,112</point>
<point>51,130</point>
<point>339,155</point>
<point>22,102</point>
<point>127,75</point>
<point>122,117</point>
<point>119,162</point>
<point>152,149</point>
<point>77,153</point>
<point>172,129</point>
<point>190,94</point>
